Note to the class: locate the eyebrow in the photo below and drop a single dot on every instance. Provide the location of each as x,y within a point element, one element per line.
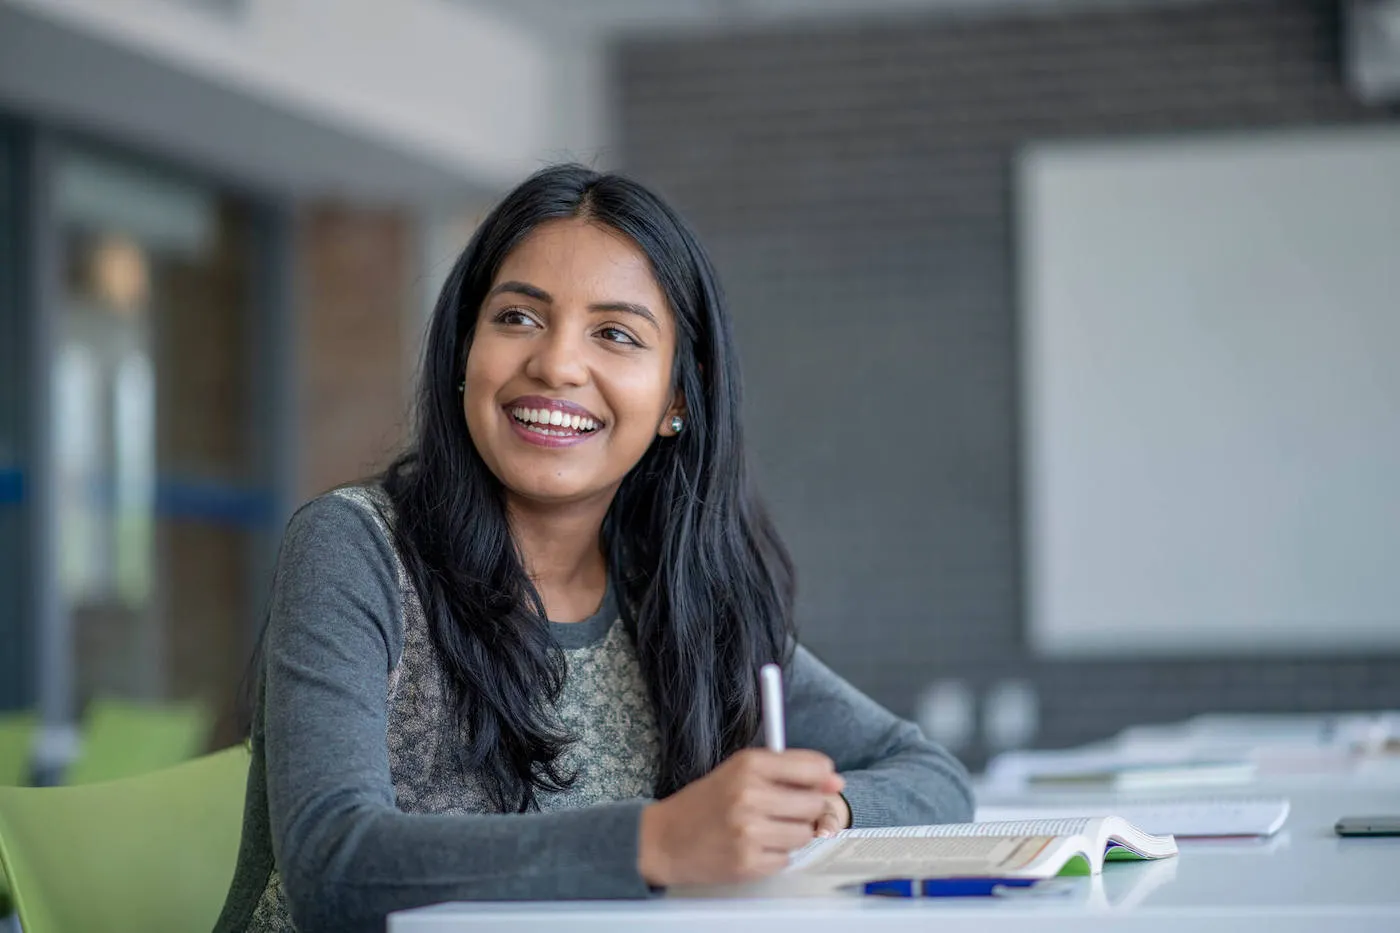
<point>539,294</point>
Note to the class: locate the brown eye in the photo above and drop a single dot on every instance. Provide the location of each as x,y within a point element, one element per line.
<point>617,335</point>
<point>516,317</point>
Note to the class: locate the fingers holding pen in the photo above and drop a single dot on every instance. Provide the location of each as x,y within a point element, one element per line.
<point>740,821</point>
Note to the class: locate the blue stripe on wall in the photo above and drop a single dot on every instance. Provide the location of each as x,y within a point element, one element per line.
<point>216,503</point>
<point>180,499</point>
<point>11,485</point>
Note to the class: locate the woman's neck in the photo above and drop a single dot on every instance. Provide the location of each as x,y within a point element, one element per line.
<point>563,554</point>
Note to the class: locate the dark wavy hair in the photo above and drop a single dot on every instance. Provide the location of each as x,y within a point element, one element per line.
<point>704,583</point>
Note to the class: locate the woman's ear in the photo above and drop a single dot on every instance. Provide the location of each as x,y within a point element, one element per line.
<point>673,422</point>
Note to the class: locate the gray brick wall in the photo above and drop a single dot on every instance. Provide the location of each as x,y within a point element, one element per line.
<point>854,184</point>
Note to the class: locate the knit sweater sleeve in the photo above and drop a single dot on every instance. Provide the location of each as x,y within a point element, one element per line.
<point>348,856</point>
<point>894,776</point>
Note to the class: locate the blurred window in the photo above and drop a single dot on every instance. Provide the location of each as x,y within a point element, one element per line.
<point>161,498</point>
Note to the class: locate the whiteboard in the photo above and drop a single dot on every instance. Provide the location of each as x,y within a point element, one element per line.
<point>1211,394</point>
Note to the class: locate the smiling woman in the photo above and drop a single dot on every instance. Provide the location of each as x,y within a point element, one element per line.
<point>523,663</point>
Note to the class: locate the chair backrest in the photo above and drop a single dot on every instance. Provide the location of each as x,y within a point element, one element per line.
<point>154,853</point>
<point>122,738</point>
<point>16,749</point>
<point>16,745</point>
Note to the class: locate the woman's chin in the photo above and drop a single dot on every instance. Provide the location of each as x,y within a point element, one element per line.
<point>554,490</point>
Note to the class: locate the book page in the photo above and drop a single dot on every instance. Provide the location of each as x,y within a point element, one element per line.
<point>907,856</point>
<point>1055,827</point>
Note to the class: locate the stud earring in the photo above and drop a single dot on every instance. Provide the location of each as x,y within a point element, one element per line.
<point>677,424</point>
<point>462,386</point>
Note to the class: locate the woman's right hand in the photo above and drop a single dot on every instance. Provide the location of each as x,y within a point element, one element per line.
<point>739,822</point>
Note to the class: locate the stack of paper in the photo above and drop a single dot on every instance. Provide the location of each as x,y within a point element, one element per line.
<point>1243,816</point>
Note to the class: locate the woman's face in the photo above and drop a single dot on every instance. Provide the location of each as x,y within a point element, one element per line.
<point>568,380</point>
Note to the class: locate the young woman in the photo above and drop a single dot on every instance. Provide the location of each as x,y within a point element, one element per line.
<point>524,662</point>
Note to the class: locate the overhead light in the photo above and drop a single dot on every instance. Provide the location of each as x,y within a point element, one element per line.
<point>120,274</point>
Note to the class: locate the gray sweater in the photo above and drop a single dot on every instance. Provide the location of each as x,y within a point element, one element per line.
<point>353,809</point>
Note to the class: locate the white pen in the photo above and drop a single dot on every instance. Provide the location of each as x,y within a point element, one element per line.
<point>774,732</point>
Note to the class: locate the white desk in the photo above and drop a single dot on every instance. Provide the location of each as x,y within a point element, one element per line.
<point>1304,879</point>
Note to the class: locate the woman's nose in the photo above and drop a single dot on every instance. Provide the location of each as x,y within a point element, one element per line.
<point>557,360</point>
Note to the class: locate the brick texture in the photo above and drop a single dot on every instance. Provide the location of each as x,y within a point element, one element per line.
<point>853,182</point>
<point>354,307</point>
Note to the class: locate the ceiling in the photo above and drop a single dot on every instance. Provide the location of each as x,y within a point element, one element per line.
<point>603,18</point>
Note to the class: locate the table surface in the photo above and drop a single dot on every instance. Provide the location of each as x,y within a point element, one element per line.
<point>1305,878</point>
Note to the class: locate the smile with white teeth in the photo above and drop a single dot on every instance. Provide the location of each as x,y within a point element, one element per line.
<point>553,423</point>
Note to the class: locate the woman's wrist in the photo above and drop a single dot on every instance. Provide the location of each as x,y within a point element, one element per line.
<point>652,863</point>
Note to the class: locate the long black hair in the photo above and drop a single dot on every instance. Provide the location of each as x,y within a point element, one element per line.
<point>703,581</point>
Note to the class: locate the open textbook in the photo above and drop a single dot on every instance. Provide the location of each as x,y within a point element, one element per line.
<point>1018,849</point>
<point>1122,887</point>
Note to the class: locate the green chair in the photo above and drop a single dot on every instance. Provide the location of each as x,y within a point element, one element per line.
<point>122,738</point>
<point>16,744</point>
<point>153,853</point>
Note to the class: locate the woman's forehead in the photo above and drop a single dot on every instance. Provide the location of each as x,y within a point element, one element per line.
<point>582,260</point>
